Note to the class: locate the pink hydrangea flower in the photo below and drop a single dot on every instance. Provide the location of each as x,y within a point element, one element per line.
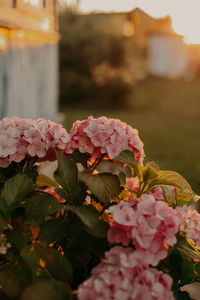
<point>149,224</point>
<point>133,183</point>
<point>33,138</point>
<point>105,136</point>
<point>189,223</point>
<point>123,275</point>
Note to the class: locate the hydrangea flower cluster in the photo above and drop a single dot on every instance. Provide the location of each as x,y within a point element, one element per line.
<point>148,224</point>
<point>189,223</point>
<point>106,136</point>
<point>21,137</point>
<point>123,275</point>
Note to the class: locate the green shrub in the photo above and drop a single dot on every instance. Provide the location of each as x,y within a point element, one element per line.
<point>83,46</point>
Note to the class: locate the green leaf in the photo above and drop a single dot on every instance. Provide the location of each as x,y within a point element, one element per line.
<point>78,194</point>
<point>104,186</point>
<point>182,198</point>
<point>14,278</point>
<point>149,173</point>
<point>175,259</point>
<point>52,230</point>
<point>99,246</point>
<point>181,263</point>
<point>122,178</point>
<point>109,166</point>
<point>79,240</point>
<point>47,290</point>
<point>33,174</point>
<point>137,169</point>
<point>17,238</point>
<point>48,260</point>
<point>152,165</point>
<point>188,272</point>
<point>126,157</point>
<point>40,206</point>
<point>186,250</point>
<point>4,296</point>
<point>16,189</point>
<point>91,218</point>
<point>4,209</point>
<point>66,174</point>
<point>197,268</point>
<point>62,193</point>
<point>173,179</point>
<point>196,205</point>
<point>43,180</point>
<point>3,178</point>
<point>58,266</point>
<point>33,254</point>
<point>99,229</point>
<point>79,157</point>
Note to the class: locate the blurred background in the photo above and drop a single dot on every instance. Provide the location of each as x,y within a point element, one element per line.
<point>138,61</point>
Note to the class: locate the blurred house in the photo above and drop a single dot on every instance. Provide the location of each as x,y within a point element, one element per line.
<point>28,58</point>
<point>168,55</point>
<point>152,46</point>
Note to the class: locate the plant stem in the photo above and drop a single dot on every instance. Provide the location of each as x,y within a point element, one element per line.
<point>96,163</point>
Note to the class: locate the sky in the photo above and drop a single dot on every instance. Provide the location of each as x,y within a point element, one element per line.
<point>185,13</point>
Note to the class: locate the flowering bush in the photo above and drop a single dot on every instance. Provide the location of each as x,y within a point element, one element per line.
<point>107,227</point>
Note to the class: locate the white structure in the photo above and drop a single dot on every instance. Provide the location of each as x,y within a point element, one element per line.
<point>28,58</point>
<point>167,56</point>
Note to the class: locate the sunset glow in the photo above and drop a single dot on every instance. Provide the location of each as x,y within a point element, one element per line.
<point>184,13</point>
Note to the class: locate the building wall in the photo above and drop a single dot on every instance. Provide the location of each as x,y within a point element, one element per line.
<point>28,79</point>
<point>28,61</point>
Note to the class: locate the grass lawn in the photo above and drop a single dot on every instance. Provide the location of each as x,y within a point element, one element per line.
<point>167,115</point>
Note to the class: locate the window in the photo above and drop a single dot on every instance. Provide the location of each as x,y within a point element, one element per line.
<point>14,3</point>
